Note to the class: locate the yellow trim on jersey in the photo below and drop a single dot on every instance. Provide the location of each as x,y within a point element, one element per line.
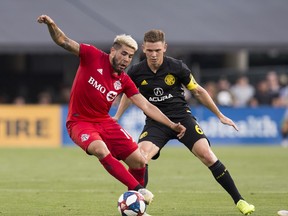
<point>192,84</point>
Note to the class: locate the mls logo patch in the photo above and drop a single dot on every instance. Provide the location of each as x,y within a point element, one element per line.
<point>84,137</point>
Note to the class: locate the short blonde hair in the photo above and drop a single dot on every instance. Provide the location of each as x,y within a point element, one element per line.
<point>127,40</point>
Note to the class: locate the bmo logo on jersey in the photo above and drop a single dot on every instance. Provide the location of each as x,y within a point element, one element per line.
<point>110,96</point>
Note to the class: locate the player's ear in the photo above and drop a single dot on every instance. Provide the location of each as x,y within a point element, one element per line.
<point>143,48</point>
<point>112,51</point>
<point>165,47</point>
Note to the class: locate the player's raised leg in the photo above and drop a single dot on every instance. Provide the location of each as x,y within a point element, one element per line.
<point>112,165</point>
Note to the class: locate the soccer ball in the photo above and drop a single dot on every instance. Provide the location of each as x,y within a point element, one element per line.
<point>131,203</point>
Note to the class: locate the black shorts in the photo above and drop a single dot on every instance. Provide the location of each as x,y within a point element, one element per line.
<point>160,134</point>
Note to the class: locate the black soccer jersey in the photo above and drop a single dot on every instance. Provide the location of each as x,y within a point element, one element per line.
<point>164,88</point>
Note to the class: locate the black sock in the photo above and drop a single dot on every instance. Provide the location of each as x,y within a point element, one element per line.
<point>223,177</point>
<point>146,176</point>
<point>138,187</point>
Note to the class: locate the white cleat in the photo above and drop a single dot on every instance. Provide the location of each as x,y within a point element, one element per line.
<point>148,196</point>
<point>145,214</point>
<point>282,213</point>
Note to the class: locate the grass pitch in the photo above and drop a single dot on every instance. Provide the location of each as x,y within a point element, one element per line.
<point>65,181</point>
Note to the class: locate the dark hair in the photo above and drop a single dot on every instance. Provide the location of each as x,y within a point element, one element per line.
<point>117,45</point>
<point>154,35</point>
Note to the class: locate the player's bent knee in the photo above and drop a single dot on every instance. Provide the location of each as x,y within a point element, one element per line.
<point>135,160</point>
<point>98,149</point>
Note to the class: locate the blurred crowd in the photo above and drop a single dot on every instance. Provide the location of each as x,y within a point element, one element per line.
<point>271,89</point>
<point>46,96</point>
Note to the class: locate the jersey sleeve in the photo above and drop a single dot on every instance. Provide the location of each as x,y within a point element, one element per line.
<point>187,78</point>
<point>88,53</point>
<point>130,88</point>
<point>130,73</point>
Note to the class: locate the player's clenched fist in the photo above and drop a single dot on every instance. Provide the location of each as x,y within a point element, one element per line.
<point>44,19</point>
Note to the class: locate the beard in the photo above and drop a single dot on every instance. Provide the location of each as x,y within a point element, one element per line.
<point>115,66</point>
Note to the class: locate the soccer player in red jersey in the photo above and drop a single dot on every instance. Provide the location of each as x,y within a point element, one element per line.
<point>99,80</point>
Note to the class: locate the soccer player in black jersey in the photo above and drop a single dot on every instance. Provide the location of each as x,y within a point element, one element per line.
<point>161,79</point>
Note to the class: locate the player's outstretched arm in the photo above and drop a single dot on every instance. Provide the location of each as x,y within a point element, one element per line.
<point>123,105</point>
<point>58,36</point>
<point>202,95</point>
<point>154,113</point>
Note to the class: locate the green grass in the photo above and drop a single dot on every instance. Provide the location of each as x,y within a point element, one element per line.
<point>67,182</point>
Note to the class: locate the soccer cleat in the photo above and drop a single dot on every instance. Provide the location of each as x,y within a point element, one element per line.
<point>244,207</point>
<point>145,214</point>
<point>282,213</point>
<point>148,196</point>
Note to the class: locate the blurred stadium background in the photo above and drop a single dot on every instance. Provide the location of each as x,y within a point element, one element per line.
<point>232,47</point>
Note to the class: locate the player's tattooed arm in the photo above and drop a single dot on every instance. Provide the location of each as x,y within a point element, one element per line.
<point>59,36</point>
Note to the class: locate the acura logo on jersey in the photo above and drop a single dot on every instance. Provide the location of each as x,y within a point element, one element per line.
<point>158,91</point>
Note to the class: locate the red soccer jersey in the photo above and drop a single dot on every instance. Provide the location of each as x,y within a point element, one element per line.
<point>95,86</point>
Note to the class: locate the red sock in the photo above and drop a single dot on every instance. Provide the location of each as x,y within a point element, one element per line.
<point>118,170</point>
<point>138,174</point>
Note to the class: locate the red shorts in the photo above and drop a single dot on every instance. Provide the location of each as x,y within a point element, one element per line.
<point>118,141</point>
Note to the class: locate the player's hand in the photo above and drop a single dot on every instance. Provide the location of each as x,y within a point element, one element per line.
<point>115,118</point>
<point>45,19</point>
<point>178,128</point>
<point>228,121</point>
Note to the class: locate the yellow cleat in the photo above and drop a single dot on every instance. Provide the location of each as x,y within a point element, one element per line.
<point>244,207</point>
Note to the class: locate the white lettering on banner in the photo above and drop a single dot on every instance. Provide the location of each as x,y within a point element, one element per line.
<point>97,86</point>
<point>252,127</point>
<point>163,98</point>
